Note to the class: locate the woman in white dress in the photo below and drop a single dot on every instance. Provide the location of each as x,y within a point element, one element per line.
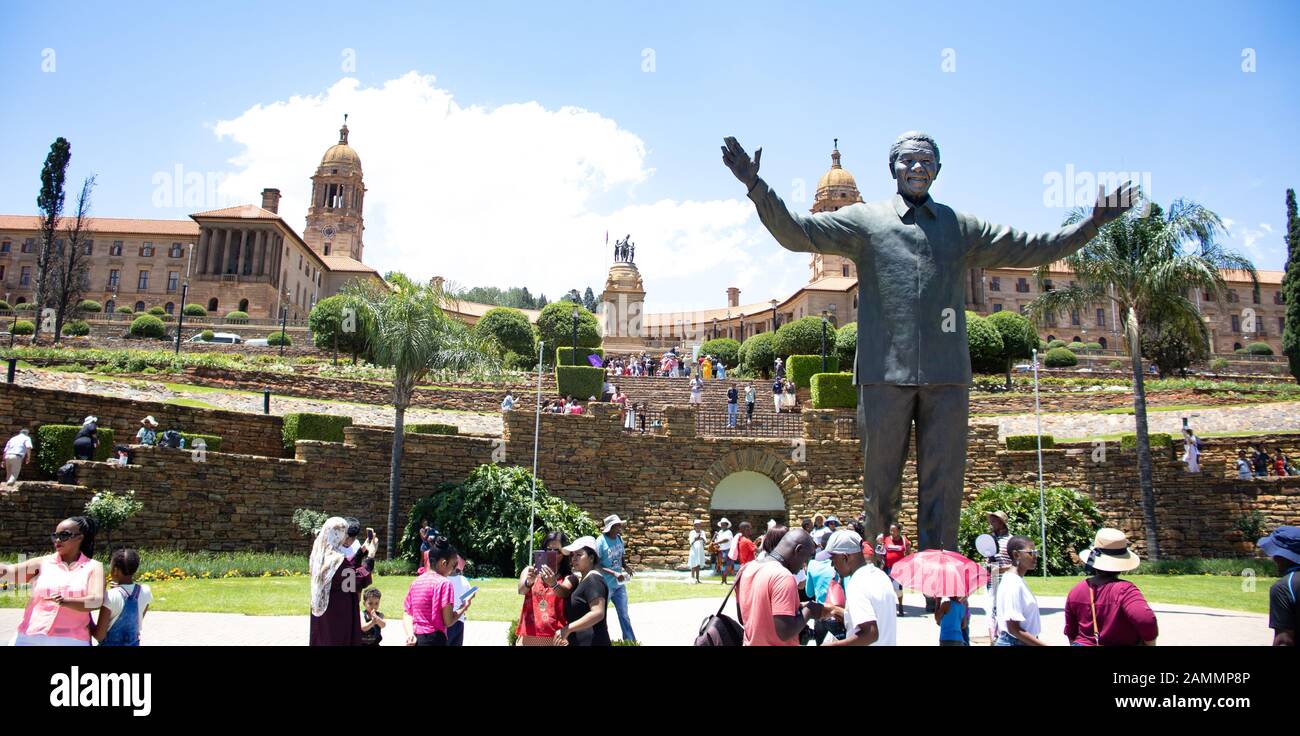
<point>696,561</point>
<point>1191,451</point>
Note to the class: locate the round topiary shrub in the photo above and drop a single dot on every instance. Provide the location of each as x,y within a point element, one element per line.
<point>89,305</point>
<point>24,327</point>
<point>4,306</point>
<point>148,326</point>
<point>1259,348</point>
<point>1076,347</point>
<point>1219,365</point>
<point>1060,358</point>
<point>803,337</point>
<point>236,316</point>
<point>1238,351</point>
<point>195,310</point>
<point>278,338</point>
<point>206,335</point>
<point>156,311</point>
<point>24,307</point>
<point>125,310</point>
<point>1091,346</point>
<point>1055,344</point>
<point>985,345</point>
<point>77,328</point>
<point>727,350</point>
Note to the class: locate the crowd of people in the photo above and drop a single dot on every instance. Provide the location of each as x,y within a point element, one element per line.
<point>1259,464</point>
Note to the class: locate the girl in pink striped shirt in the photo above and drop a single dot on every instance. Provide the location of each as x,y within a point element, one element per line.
<point>431,607</point>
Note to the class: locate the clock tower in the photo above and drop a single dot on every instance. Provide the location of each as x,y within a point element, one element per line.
<point>334,221</point>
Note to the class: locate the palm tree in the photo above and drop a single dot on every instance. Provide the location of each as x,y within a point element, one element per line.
<point>410,333</point>
<point>1145,264</point>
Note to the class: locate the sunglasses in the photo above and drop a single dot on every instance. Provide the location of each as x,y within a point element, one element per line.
<point>63,536</point>
<point>1033,552</point>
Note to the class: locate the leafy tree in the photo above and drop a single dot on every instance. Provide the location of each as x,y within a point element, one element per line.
<point>1174,342</point>
<point>510,328</point>
<point>985,344</point>
<point>111,510</point>
<point>555,327</point>
<point>50,203</point>
<point>724,349</point>
<point>409,332</point>
<point>1019,338</point>
<point>488,517</point>
<point>802,337</point>
<point>1139,263</point>
<point>326,322</point>
<point>1291,288</point>
<point>1072,520</point>
<point>846,345</point>
<point>758,353</point>
<point>589,300</point>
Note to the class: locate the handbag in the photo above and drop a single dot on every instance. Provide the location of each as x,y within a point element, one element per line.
<point>835,594</point>
<point>719,630</point>
<point>1092,601</point>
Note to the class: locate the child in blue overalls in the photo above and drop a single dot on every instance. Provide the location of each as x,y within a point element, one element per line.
<point>125,604</point>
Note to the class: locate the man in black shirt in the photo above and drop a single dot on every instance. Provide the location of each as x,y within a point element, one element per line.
<point>732,397</point>
<point>1283,545</point>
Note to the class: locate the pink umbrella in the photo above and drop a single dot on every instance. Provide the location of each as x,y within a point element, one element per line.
<point>939,574</point>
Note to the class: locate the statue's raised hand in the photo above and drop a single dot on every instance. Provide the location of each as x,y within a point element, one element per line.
<point>1110,207</point>
<point>741,165</point>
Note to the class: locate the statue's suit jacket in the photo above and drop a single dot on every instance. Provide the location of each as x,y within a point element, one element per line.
<point>912,262</point>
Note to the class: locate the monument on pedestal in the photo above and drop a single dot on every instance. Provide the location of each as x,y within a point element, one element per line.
<point>622,303</point>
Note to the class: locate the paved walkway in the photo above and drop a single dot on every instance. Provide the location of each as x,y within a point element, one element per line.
<point>1262,418</point>
<point>675,623</point>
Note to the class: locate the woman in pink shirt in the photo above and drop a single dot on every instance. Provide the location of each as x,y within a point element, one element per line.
<point>1103,610</point>
<point>65,587</point>
<point>431,607</point>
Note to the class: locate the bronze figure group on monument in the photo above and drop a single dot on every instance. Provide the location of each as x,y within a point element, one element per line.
<point>912,362</point>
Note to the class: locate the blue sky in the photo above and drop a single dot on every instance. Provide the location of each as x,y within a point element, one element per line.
<point>470,182</point>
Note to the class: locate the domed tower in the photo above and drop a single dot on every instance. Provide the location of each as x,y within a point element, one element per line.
<point>334,220</point>
<point>837,188</point>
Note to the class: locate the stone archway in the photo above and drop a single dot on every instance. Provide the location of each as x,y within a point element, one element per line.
<point>757,473</point>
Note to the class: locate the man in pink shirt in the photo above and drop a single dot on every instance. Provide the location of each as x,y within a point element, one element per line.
<point>769,596</point>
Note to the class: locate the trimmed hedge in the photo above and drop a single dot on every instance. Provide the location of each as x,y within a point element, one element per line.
<point>565,353</point>
<point>125,310</point>
<point>195,310</point>
<point>4,306</point>
<point>1023,442</point>
<point>53,445</point>
<point>279,338</point>
<point>156,311</point>
<point>77,328</point>
<point>89,305</point>
<point>1055,344</point>
<point>1060,358</point>
<point>25,307</point>
<point>148,326</point>
<point>207,335</point>
<point>305,426</point>
<point>579,382</point>
<point>23,327</point>
<point>1091,346</point>
<point>1076,347</point>
<point>1156,439</point>
<point>430,428</point>
<point>236,315</point>
<point>834,391</point>
<point>801,368</point>
<point>212,442</point>
<point>803,336</point>
<point>1240,351</point>
<point>1259,348</point>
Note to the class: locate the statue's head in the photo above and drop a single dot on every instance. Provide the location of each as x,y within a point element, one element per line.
<point>914,164</point>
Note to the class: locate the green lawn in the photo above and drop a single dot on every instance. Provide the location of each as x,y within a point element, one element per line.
<point>287,596</point>
<point>193,403</point>
<point>498,601</point>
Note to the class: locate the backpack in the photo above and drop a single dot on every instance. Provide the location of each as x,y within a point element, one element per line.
<point>67,474</point>
<point>170,438</point>
<point>719,630</point>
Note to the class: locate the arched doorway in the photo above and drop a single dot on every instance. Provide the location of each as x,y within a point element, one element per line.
<point>746,495</point>
<point>243,305</point>
<point>1102,342</point>
<point>212,304</point>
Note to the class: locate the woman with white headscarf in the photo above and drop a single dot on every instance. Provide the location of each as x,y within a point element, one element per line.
<point>340,570</point>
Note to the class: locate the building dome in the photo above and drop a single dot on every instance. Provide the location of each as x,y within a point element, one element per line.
<point>341,152</point>
<point>837,187</point>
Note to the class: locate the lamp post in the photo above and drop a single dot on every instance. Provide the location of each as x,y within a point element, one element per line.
<point>573,359</point>
<point>715,328</point>
<point>730,334</point>
<point>185,290</point>
<point>823,341</point>
<point>774,324</point>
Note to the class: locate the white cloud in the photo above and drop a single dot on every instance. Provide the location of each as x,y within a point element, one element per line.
<point>516,195</point>
<point>1256,244</point>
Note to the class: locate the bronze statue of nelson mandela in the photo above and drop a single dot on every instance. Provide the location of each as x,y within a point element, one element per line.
<point>913,363</point>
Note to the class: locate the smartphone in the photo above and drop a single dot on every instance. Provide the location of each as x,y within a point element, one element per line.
<point>539,559</point>
<point>465,596</point>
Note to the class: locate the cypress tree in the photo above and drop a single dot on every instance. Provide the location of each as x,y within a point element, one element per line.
<point>1291,287</point>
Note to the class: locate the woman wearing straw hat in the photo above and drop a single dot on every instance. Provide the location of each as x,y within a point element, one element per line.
<point>1103,610</point>
<point>148,432</point>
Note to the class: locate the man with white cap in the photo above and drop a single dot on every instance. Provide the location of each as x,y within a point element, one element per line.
<point>722,540</point>
<point>1283,545</point>
<point>869,615</point>
<point>609,548</point>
